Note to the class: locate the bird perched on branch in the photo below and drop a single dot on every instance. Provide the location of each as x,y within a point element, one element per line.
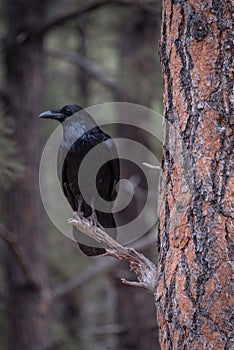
<point>87,150</point>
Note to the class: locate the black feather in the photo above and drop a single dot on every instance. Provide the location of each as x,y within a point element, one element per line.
<point>80,135</point>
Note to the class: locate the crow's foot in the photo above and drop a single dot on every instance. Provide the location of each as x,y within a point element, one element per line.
<point>78,215</point>
<point>94,221</point>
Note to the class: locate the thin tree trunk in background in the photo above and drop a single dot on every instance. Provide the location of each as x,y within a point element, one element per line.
<point>27,305</point>
<point>136,316</point>
<point>195,296</point>
<point>135,308</point>
<point>141,73</point>
<point>82,75</point>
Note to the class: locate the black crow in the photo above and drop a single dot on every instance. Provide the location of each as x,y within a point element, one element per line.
<point>80,135</point>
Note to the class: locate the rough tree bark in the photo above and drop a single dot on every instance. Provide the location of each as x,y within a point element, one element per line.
<point>195,297</point>
<point>27,307</point>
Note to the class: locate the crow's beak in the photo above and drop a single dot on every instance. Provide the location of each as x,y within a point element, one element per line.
<point>52,115</point>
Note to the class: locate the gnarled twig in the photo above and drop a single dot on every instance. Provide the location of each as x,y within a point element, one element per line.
<point>144,269</point>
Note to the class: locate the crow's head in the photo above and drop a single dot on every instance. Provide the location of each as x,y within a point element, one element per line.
<point>61,114</point>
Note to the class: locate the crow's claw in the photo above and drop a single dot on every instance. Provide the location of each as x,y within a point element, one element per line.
<point>78,215</point>
<point>94,221</point>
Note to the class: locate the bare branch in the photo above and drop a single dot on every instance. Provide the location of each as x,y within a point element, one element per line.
<point>151,166</point>
<point>132,283</point>
<point>19,253</point>
<point>86,8</point>
<point>102,265</point>
<point>144,269</point>
<point>94,70</point>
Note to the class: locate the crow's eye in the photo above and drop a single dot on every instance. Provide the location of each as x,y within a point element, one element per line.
<point>67,111</point>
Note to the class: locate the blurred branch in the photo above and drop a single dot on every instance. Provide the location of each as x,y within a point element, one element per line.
<point>103,330</point>
<point>102,265</point>
<point>86,8</point>
<point>19,253</point>
<point>81,279</point>
<point>94,70</point>
<point>144,269</point>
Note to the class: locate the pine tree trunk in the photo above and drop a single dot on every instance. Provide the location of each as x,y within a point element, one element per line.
<point>27,306</point>
<point>195,296</point>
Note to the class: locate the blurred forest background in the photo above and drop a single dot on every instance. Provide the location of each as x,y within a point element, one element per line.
<point>54,53</point>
